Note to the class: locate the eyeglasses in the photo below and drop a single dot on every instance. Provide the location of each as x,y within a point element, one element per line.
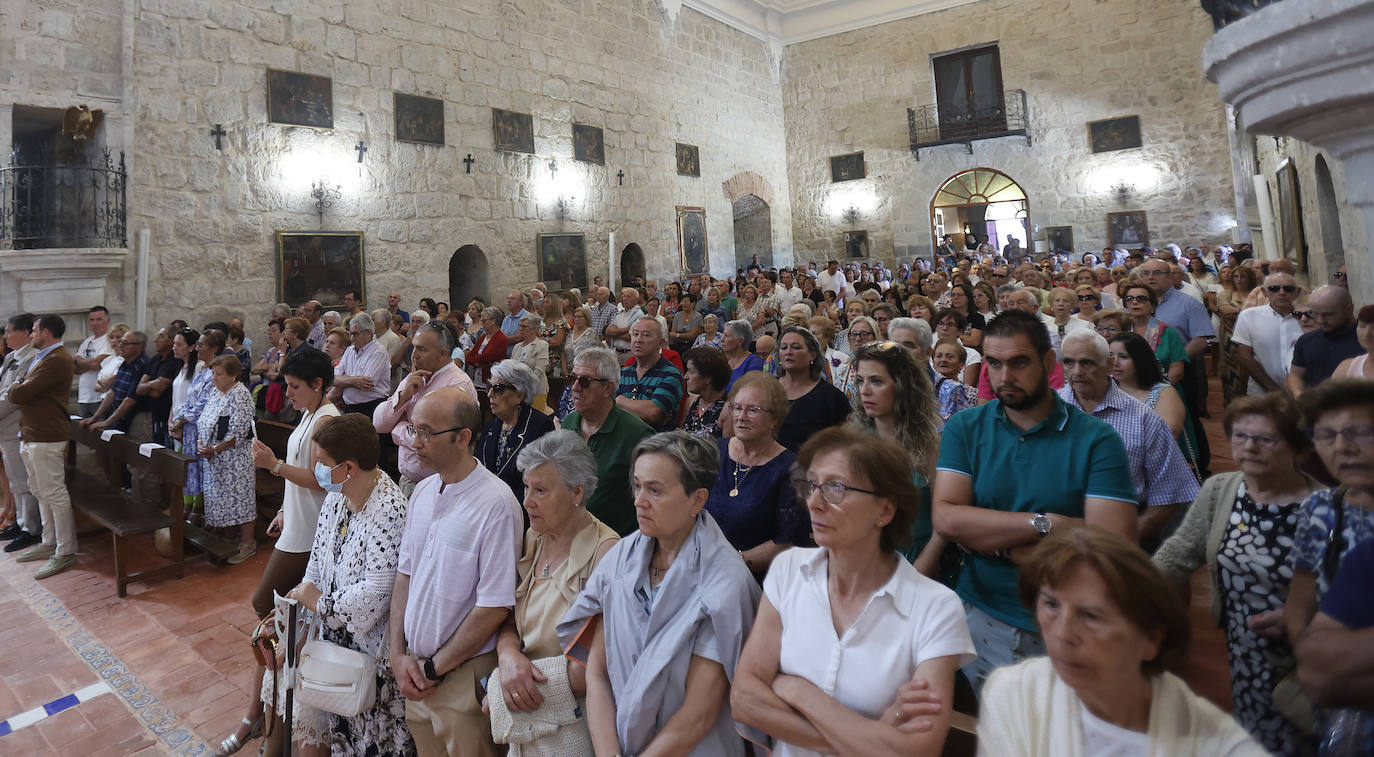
<point>1338,275</point>
<point>499,389</point>
<point>1108,331</point>
<point>1358,435</point>
<point>832,491</point>
<point>1289,288</point>
<point>424,435</point>
<point>585,381</point>
<point>1086,298</point>
<point>1263,441</point>
<point>1135,298</point>
<point>1304,314</point>
<point>741,411</point>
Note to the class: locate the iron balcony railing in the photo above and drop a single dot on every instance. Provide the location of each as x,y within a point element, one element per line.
<point>1004,114</point>
<point>45,205</point>
<point>1224,12</point>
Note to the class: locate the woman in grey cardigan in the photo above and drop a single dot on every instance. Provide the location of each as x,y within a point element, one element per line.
<point>1242,526</point>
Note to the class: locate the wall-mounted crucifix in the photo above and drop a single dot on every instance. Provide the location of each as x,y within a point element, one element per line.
<point>553,169</point>
<point>219,133</point>
<point>361,148</point>
<point>620,178</point>
<point>468,161</point>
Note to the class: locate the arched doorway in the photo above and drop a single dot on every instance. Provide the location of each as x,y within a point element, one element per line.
<point>631,265</point>
<point>980,205</point>
<point>753,231</point>
<point>467,277</point>
<point>1333,247</point>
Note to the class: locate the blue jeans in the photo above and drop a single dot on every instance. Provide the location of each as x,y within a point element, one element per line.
<point>998,645</point>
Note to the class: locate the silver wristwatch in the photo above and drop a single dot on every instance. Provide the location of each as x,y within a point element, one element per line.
<point>1041,523</point>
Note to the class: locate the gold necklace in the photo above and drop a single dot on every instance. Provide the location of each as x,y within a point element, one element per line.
<point>739,473</point>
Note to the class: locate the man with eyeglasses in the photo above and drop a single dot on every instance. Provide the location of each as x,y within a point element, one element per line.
<point>118,405</point>
<point>313,311</point>
<point>431,370</point>
<point>1189,317</point>
<point>651,387</point>
<point>363,377</point>
<point>1317,353</point>
<point>1341,278</point>
<point>1265,336</point>
<point>610,431</point>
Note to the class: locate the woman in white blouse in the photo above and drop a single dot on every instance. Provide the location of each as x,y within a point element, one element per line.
<point>843,627</point>
<point>529,349</point>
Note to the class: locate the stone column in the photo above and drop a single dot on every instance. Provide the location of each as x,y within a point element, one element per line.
<point>1305,69</point>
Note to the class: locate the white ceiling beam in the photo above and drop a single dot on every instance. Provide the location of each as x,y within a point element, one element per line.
<point>795,21</point>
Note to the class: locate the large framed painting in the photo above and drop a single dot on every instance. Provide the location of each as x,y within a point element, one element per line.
<point>1112,134</point>
<point>1059,238</point>
<point>513,132</point>
<point>856,244</point>
<point>562,260</point>
<point>298,99</point>
<point>419,119</point>
<point>691,239</point>
<point>847,167</point>
<point>319,265</point>
<point>588,144</point>
<point>1293,241</point>
<point>688,160</point>
<point>1128,229</point>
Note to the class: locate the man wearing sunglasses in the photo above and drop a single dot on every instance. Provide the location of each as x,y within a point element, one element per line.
<point>1264,336</point>
<point>610,431</point>
<point>1317,353</point>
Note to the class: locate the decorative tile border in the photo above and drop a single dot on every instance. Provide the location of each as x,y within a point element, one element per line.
<point>159,719</point>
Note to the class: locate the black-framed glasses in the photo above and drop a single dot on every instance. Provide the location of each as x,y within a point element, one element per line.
<point>499,389</point>
<point>831,491</point>
<point>1338,275</point>
<point>1135,298</point>
<point>1289,288</point>
<point>1264,441</point>
<point>1308,314</point>
<point>585,381</point>
<point>1086,298</point>
<point>424,435</point>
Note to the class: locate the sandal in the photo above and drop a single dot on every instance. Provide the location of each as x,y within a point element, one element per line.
<point>232,743</point>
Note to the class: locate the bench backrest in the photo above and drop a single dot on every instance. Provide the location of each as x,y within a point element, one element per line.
<point>171,466</point>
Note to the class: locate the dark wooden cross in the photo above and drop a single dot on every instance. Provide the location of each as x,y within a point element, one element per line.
<point>468,161</point>
<point>553,168</point>
<point>361,148</point>
<point>620,178</point>
<point>218,133</point>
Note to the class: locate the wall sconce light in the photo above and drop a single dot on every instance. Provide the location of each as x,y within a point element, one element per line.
<point>324,196</point>
<point>850,215</point>
<point>1123,192</point>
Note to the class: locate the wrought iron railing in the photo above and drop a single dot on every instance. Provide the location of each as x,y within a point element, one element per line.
<point>45,205</point>
<point>1004,114</point>
<point>1224,12</point>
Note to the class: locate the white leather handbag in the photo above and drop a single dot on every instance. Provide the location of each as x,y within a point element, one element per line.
<point>336,679</point>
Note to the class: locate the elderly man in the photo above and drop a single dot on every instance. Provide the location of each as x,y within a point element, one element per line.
<point>28,526</point>
<point>1317,353</point>
<point>393,305</point>
<point>313,311</point>
<point>618,330</point>
<point>1189,317</point>
<point>602,310</point>
<point>515,309</point>
<point>651,387</point>
<point>393,343</point>
<point>363,377</point>
<point>92,352</point>
<point>431,370</point>
<point>455,580</point>
<point>610,431</point>
<point>1164,483</point>
<point>915,336</point>
<point>118,405</point>
<point>1265,336</point>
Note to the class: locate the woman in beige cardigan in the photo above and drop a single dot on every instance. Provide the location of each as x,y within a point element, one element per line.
<point>1241,526</point>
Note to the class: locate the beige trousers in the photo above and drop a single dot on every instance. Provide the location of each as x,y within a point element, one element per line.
<point>450,721</point>
<point>46,464</point>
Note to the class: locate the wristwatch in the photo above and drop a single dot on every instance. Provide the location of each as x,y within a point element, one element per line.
<point>276,469</point>
<point>428,668</point>
<point>1041,523</point>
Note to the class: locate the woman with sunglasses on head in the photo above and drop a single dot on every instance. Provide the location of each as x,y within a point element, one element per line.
<point>515,422</point>
<point>1140,303</point>
<point>1357,367</point>
<point>889,628</point>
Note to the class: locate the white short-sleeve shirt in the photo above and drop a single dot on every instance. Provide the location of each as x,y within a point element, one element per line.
<point>1272,337</point>
<point>90,347</point>
<point>909,620</point>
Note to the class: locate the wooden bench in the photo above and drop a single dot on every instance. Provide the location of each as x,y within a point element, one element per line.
<point>104,500</point>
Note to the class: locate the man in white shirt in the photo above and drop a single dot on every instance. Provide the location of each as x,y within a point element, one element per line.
<point>1264,336</point>
<point>788,292</point>
<point>618,330</point>
<point>363,378</point>
<point>92,352</point>
<point>1182,283</point>
<point>831,280</point>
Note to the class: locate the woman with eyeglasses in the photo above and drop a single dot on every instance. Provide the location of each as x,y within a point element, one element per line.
<point>515,422</point>
<point>843,628</point>
<point>1357,367</point>
<point>528,348</point>
<point>1241,526</point>
<point>1089,301</point>
<point>1138,373</point>
<point>1140,303</point>
<point>815,403</point>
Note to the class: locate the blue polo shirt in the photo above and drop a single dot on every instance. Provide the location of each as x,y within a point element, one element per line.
<point>1049,468</point>
<point>1188,316</point>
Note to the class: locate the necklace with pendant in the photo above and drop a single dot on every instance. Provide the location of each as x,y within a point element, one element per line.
<point>740,473</point>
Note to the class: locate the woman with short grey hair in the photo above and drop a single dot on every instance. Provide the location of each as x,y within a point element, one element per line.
<point>665,685</point>
<point>515,423</point>
<point>562,547</point>
<point>331,320</point>
<point>735,342</point>
<point>532,350</point>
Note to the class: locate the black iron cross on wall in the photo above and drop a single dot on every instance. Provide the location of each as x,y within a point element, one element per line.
<point>361,148</point>
<point>218,133</point>
<point>468,161</point>
<point>620,178</point>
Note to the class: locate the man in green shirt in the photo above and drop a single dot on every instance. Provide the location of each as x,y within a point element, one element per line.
<point>611,432</point>
<point>727,300</point>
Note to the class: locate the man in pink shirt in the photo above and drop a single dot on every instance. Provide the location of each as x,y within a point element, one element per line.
<point>432,369</point>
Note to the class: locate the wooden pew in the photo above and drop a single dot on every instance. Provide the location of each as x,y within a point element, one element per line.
<point>269,488</point>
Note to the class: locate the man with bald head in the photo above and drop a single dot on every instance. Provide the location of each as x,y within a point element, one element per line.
<point>1264,336</point>
<point>618,330</point>
<point>393,304</point>
<point>1317,353</point>
<point>455,579</point>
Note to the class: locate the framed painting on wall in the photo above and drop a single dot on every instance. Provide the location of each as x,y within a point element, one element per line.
<point>297,99</point>
<point>419,119</point>
<point>1128,229</point>
<point>691,239</point>
<point>688,160</point>
<point>856,244</point>
<point>847,167</point>
<point>562,260</point>
<point>512,132</point>
<point>1292,241</point>
<point>1059,238</point>
<point>319,265</point>
<point>1114,134</point>
<point>588,144</point>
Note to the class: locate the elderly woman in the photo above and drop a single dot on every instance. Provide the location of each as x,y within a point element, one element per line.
<point>949,323</point>
<point>224,437</point>
<point>1140,302</point>
<point>814,404</point>
<point>489,350</point>
<point>751,309</point>
<point>515,422</point>
<point>332,320</point>
<point>348,581</point>
<point>714,306</point>
<point>920,306</point>
<point>563,546</point>
<point>854,309</point>
<point>269,367</point>
<point>710,331</point>
<point>1241,520</point>
<point>752,499</point>
<point>735,343</point>
<point>207,347</point>
<point>1114,628</point>
<point>832,691</point>
<point>1089,301</point>
<point>1062,304</point>
<point>663,686</point>
<point>706,377</point>
<point>336,343</point>
<point>581,335</point>
<point>528,348</point>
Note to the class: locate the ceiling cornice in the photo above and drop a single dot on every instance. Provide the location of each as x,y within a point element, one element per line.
<point>791,21</point>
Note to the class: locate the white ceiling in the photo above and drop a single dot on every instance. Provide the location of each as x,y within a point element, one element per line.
<point>789,21</point>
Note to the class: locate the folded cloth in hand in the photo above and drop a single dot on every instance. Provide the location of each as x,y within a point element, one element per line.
<point>556,729</point>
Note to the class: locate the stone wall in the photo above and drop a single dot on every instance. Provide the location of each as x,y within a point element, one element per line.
<point>1077,60</point>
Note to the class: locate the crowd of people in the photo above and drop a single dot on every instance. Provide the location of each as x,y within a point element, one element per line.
<point>794,508</point>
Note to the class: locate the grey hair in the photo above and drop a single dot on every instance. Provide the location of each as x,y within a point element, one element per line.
<point>535,321</point>
<point>657,326</point>
<point>1007,289</point>
<point>518,375</point>
<point>569,454</point>
<point>419,317</point>
<point>740,329</point>
<point>282,310</point>
<point>697,457</point>
<point>445,333</point>
<point>602,360</point>
<point>331,314</point>
<point>924,337</point>
<point>381,314</point>
<point>363,321</point>
<point>1099,344</point>
<point>494,313</point>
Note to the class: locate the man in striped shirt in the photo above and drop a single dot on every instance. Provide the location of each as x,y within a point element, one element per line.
<point>651,387</point>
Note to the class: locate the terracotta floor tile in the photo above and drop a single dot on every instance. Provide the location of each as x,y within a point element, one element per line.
<point>32,692</point>
<point>65,727</point>
<point>26,741</point>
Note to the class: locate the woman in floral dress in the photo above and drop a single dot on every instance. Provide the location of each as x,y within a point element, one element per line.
<point>207,347</point>
<point>224,434</point>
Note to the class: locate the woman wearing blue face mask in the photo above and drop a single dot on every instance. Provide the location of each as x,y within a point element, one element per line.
<point>348,583</point>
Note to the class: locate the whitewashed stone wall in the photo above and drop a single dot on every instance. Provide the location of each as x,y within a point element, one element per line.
<point>1077,60</point>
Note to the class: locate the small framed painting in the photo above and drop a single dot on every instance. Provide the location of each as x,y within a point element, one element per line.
<point>562,260</point>
<point>588,145</point>
<point>419,119</point>
<point>1060,238</point>
<point>1292,240</point>
<point>856,244</point>
<point>319,265</point>
<point>512,132</point>
<point>691,239</point>
<point>1114,134</point>
<point>688,160</point>
<point>297,99</point>
<point>847,167</point>
<point>1128,229</point>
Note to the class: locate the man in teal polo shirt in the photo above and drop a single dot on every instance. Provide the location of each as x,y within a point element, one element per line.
<point>1012,471</point>
<point>610,431</point>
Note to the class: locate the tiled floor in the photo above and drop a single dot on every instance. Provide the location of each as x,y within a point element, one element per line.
<point>176,652</point>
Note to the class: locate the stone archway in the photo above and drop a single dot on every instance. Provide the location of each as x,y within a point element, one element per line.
<point>631,265</point>
<point>981,202</point>
<point>1329,212</point>
<point>753,231</point>
<point>467,277</point>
